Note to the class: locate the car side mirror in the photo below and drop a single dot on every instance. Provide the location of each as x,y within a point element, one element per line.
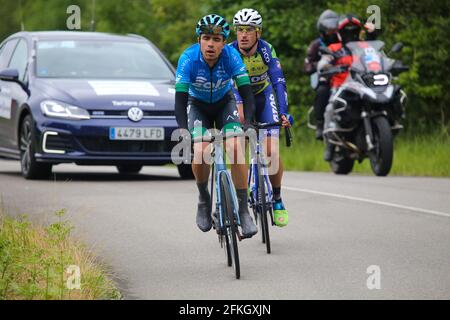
<point>9,75</point>
<point>12,75</point>
<point>397,47</point>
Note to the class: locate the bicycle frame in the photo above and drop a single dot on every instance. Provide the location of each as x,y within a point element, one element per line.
<point>253,172</point>
<point>261,199</point>
<point>226,199</point>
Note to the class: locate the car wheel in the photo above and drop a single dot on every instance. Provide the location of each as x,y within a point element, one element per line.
<point>129,168</point>
<point>31,169</point>
<point>185,171</point>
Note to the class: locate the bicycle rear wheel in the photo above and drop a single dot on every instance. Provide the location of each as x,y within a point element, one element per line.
<point>263,208</point>
<point>229,223</point>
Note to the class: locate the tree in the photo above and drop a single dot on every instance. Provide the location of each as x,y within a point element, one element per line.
<point>289,25</point>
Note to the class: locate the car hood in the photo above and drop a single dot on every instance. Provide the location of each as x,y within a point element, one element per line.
<point>110,94</point>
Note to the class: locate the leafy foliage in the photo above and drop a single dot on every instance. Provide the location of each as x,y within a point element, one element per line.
<point>33,262</point>
<point>290,25</point>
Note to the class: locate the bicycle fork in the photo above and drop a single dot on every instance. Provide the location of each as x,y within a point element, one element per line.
<point>220,169</point>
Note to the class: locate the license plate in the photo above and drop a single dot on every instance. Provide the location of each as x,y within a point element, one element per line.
<point>123,133</point>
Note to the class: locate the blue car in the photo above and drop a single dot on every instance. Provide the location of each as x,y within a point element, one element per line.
<point>88,98</point>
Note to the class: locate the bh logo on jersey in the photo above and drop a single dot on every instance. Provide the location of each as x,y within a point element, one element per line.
<point>202,83</point>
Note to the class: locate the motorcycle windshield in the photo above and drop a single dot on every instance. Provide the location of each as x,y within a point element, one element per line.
<point>368,57</point>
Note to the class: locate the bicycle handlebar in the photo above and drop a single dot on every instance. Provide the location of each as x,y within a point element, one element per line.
<point>261,125</point>
<point>212,138</point>
<point>257,125</point>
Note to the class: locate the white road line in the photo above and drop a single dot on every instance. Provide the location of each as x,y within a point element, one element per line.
<point>341,196</point>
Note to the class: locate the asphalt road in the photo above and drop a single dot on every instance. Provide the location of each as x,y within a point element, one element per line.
<point>341,229</point>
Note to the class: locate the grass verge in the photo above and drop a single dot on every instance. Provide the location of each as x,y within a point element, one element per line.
<point>44,262</point>
<point>426,155</point>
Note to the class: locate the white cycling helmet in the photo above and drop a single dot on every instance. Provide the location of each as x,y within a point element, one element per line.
<point>248,17</point>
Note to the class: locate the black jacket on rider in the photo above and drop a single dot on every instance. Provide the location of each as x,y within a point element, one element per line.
<point>312,56</point>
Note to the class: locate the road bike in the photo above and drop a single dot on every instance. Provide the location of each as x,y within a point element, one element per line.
<point>260,188</point>
<point>226,215</point>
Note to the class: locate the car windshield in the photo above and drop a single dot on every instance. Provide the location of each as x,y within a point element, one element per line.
<point>100,59</point>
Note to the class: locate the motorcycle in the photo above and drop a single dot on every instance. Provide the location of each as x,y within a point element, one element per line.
<point>366,110</point>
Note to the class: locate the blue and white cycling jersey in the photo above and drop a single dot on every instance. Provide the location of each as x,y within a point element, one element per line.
<point>209,84</point>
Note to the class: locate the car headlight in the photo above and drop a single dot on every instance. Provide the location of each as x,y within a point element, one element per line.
<point>58,109</point>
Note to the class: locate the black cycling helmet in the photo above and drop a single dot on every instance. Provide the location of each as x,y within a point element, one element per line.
<point>327,22</point>
<point>349,28</point>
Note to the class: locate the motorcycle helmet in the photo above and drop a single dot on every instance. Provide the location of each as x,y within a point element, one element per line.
<point>327,25</point>
<point>349,28</point>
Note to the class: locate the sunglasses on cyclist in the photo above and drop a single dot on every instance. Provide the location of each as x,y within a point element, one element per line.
<point>246,29</point>
<point>211,29</point>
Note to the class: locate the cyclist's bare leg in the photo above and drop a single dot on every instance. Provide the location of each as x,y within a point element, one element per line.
<point>273,152</point>
<point>276,179</point>
<point>276,169</point>
<point>239,170</point>
<point>240,108</point>
<point>236,157</point>
<point>200,167</point>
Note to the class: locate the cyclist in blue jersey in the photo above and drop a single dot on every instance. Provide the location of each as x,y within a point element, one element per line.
<point>204,99</point>
<point>266,78</point>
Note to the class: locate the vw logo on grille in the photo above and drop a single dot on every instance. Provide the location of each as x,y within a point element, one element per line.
<point>135,114</point>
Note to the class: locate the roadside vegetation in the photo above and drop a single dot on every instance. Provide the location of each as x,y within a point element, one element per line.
<point>40,263</point>
<point>290,26</point>
<point>420,155</point>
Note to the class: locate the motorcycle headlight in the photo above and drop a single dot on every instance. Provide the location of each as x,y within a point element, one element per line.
<point>58,109</point>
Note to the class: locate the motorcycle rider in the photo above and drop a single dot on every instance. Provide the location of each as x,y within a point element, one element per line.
<point>349,29</point>
<point>327,26</point>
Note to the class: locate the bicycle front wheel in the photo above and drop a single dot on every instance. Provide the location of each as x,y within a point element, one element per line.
<point>263,208</point>
<point>229,223</point>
